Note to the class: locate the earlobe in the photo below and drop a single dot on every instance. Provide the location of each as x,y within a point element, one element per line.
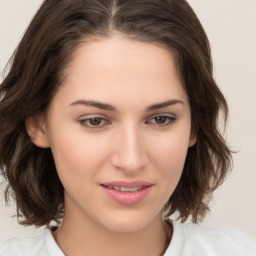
<point>192,139</point>
<point>35,127</point>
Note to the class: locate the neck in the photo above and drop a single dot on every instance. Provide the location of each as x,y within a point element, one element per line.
<point>85,238</point>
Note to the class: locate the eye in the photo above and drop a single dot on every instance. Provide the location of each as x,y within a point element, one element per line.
<point>162,120</point>
<point>94,122</point>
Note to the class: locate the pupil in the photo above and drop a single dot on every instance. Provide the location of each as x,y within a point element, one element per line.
<point>160,119</point>
<point>95,121</point>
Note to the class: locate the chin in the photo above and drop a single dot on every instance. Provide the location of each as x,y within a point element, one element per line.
<point>126,227</point>
<point>127,223</point>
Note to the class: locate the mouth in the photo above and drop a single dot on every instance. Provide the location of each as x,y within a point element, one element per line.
<point>124,189</point>
<point>127,193</point>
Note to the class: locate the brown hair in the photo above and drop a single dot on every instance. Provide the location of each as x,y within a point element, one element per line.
<point>36,71</point>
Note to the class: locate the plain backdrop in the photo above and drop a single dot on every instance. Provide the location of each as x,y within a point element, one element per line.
<point>231,28</point>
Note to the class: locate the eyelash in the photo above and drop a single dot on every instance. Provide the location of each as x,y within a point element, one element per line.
<point>170,119</point>
<point>83,122</point>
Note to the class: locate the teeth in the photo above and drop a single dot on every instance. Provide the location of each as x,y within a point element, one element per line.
<point>123,189</point>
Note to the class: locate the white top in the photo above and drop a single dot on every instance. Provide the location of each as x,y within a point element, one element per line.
<point>187,240</point>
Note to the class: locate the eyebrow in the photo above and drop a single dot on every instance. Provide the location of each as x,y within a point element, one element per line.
<point>164,104</point>
<point>104,106</point>
<point>92,103</point>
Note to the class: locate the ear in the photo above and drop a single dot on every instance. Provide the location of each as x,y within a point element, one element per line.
<point>192,139</point>
<point>36,130</point>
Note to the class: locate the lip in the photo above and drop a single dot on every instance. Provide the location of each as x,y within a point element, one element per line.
<point>126,184</point>
<point>127,198</point>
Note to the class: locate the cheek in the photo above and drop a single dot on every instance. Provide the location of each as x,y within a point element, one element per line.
<point>78,156</point>
<point>169,157</point>
<point>171,152</point>
<point>169,163</point>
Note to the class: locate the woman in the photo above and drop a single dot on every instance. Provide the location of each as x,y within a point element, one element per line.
<point>109,125</point>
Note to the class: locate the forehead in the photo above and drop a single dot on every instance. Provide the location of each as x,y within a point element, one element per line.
<point>122,68</point>
<point>117,53</point>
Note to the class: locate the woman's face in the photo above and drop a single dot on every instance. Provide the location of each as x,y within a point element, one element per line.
<point>119,130</point>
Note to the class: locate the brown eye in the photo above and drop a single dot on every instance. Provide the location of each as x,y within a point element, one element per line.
<point>162,120</point>
<point>95,122</point>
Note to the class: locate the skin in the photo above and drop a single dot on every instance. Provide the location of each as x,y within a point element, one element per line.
<point>128,144</point>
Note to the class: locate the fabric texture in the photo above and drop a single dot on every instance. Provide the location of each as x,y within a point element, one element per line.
<point>195,240</point>
<point>187,240</point>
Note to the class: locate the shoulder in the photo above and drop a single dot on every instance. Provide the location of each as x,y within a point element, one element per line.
<point>199,240</point>
<point>41,245</point>
<point>23,246</point>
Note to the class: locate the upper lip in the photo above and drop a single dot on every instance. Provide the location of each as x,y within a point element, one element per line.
<point>126,184</point>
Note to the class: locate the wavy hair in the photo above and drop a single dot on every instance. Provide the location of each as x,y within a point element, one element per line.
<point>37,70</point>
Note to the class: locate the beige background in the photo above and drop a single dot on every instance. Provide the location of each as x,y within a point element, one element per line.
<point>231,27</point>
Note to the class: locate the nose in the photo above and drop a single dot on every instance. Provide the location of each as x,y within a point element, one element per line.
<point>130,154</point>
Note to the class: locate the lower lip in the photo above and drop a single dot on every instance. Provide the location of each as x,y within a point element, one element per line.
<point>127,198</point>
